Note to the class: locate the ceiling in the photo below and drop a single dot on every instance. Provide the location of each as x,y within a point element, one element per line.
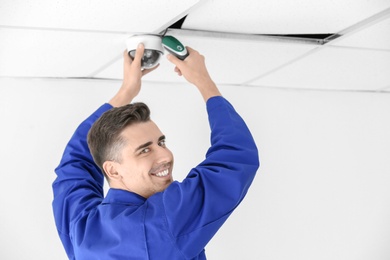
<point>323,185</point>
<point>341,45</point>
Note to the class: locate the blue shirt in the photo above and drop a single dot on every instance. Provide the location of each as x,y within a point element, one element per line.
<point>174,224</point>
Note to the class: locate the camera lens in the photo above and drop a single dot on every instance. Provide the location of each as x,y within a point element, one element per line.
<point>149,59</point>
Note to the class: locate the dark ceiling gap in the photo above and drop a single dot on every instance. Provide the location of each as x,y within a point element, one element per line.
<point>306,36</point>
<point>178,24</point>
<point>320,37</point>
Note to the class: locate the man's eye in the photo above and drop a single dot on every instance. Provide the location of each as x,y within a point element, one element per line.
<point>162,143</point>
<point>145,150</point>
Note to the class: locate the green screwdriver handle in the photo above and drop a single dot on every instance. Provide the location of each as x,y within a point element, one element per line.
<point>175,47</point>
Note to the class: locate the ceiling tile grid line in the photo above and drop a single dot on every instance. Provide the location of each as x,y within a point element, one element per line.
<point>387,88</point>
<point>61,29</point>
<point>288,63</point>
<point>332,67</point>
<point>105,66</point>
<point>384,50</point>
<point>361,25</point>
<point>222,35</point>
<point>296,88</point>
<point>375,36</point>
<point>358,48</point>
<point>55,53</point>
<point>243,36</point>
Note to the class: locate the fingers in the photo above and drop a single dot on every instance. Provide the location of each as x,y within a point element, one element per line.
<point>146,71</point>
<point>179,63</point>
<point>138,54</point>
<point>174,59</point>
<point>189,49</point>
<point>126,58</point>
<point>178,71</point>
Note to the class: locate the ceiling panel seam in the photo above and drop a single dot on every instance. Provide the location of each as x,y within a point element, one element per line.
<point>105,66</point>
<point>304,55</point>
<point>380,90</point>
<point>385,90</point>
<point>242,36</point>
<point>358,48</point>
<point>376,18</point>
<point>60,29</point>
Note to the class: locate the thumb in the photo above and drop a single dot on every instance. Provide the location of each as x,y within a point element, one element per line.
<point>173,59</point>
<point>139,53</point>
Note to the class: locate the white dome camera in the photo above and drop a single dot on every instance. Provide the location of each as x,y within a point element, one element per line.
<point>153,48</point>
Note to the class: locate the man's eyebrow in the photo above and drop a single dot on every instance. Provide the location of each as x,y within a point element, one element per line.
<point>142,146</point>
<point>148,143</point>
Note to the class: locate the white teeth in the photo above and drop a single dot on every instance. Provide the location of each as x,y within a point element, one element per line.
<point>163,173</point>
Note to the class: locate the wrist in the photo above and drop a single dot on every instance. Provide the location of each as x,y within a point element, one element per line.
<point>208,89</point>
<point>124,96</point>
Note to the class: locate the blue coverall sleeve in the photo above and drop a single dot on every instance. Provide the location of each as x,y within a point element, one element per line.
<point>78,187</point>
<point>197,207</point>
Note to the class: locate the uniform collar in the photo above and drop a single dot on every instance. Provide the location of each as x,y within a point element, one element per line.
<point>117,196</point>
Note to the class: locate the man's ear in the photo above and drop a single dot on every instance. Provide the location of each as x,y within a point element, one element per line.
<point>111,170</point>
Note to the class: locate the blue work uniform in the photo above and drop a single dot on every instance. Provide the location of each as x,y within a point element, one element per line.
<point>174,224</point>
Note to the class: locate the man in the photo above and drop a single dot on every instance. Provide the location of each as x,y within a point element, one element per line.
<point>146,215</point>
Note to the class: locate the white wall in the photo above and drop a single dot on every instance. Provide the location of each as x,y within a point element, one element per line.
<point>321,192</point>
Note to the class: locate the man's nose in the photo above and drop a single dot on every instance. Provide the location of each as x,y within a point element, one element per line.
<point>163,155</point>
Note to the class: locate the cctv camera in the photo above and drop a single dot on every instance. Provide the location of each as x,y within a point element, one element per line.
<point>153,49</point>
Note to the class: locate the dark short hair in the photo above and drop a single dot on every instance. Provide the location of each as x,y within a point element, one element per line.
<point>104,138</point>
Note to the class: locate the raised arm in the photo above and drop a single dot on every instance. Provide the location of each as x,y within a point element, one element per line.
<point>78,188</point>
<point>197,207</point>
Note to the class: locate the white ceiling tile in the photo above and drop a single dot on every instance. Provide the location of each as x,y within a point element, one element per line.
<point>375,36</point>
<point>100,15</point>
<point>229,61</point>
<point>333,68</point>
<point>282,17</point>
<point>40,53</point>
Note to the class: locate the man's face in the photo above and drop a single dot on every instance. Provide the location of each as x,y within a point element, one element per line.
<point>146,163</point>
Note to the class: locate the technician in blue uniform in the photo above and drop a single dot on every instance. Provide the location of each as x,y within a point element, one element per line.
<point>147,215</point>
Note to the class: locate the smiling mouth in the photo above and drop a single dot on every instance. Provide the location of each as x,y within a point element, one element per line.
<point>162,173</point>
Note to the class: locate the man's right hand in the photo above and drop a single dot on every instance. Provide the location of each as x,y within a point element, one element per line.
<point>194,70</point>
